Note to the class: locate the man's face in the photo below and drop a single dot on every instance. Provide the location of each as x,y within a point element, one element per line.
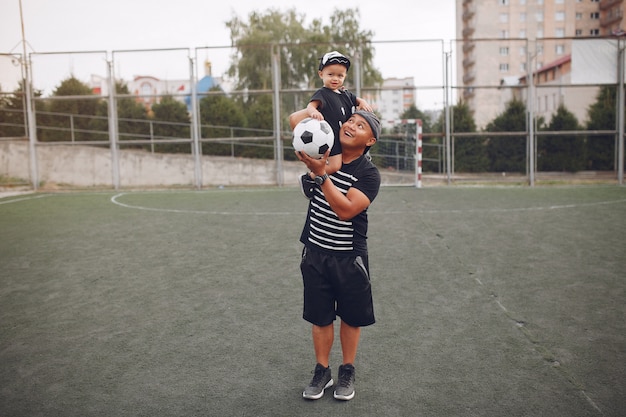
<point>356,133</point>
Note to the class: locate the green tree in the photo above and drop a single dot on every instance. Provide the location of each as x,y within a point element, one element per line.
<point>299,47</point>
<point>171,121</point>
<point>601,116</point>
<point>470,153</point>
<point>131,118</point>
<point>13,111</point>
<point>508,153</point>
<point>562,152</point>
<point>68,115</point>
<point>220,117</point>
<point>259,115</point>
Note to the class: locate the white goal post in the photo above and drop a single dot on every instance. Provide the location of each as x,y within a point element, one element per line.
<point>418,146</point>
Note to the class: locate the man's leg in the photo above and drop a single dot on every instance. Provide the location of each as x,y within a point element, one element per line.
<point>323,337</point>
<point>349,341</point>
<point>322,378</point>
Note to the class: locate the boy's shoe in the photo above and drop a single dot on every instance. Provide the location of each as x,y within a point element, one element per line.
<point>307,186</point>
<point>345,384</point>
<point>321,380</point>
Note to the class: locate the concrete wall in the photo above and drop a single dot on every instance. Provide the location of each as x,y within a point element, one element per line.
<point>89,166</point>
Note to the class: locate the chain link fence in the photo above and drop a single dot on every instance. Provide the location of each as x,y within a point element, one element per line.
<point>187,102</point>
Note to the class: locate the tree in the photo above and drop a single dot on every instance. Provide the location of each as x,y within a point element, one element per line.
<point>13,111</point>
<point>601,116</point>
<point>508,153</point>
<point>259,114</point>
<point>562,152</point>
<point>171,121</point>
<point>69,116</point>
<point>131,117</point>
<point>220,117</point>
<point>470,153</point>
<point>299,48</point>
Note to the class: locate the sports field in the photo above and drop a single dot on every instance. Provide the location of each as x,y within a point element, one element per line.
<point>490,301</point>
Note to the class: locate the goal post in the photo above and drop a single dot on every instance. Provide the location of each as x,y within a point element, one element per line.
<point>417,124</point>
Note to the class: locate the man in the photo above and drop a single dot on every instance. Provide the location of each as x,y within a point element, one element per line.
<point>334,260</point>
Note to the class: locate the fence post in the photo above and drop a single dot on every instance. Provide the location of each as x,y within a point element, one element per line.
<point>531,116</point>
<point>277,129</point>
<point>195,125</point>
<point>30,109</point>
<point>620,113</point>
<point>115,166</point>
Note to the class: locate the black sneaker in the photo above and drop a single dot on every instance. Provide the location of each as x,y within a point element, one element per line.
<point>321,380</point>
<point>345,383</point>
<point>307,186</point>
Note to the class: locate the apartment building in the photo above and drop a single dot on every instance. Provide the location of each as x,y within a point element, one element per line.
<point>395,97</point>
<point>502,41</point>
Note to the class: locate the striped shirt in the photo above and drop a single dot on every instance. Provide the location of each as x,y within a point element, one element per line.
<point>323,230</point>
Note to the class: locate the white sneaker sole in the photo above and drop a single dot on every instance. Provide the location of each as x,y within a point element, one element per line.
<point>321,394</point>
<point>343,397</point>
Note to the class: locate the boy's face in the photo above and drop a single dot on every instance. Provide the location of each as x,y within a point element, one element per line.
<point>333,75</point>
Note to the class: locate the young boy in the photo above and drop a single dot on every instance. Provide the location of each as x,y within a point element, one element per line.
<point>332,103</point>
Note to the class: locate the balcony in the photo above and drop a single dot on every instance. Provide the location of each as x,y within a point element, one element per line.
<point>468,47</point>
<point>468,32</point>
<point>469,77</point>
<point>607,4</point>
<point>612,18</point>
<point>468,62</point>
<point>468,14</point>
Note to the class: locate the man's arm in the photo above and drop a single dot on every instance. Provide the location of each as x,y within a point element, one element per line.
<point>345,206</point>
<point>297,117</point>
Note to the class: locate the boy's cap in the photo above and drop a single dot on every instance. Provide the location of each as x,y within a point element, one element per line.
<point>372,120</point>
<point>334,57</point>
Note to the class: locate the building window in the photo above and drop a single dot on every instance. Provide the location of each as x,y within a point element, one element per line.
<point>539,16</point>
<point>579,16</point>
<point>540,33</point>
<point>579,32</point>
<point>559,49</point>
<point>504,50</point>
<point>559,1</point>
<point>559,32</point>
<point>522,17</point>
<point>522,67</point>
<point>504,67</point>
<point>522,33</point>
<point>504,34</point>
<point>504,17</point>
<point>522,50</point>
<point>595,16</point>
<point>504,2</point>
<point>594,32</point>
<point>559,16</point>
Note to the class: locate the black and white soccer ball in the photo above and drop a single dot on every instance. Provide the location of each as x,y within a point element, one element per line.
<point>314,137</point>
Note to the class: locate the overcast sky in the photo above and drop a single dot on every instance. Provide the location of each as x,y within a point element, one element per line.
<point>88,25</point>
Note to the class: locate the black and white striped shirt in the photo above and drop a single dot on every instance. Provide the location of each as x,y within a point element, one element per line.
<point>323,230</point>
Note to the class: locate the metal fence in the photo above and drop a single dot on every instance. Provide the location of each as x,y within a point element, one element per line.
<point>443,73</point>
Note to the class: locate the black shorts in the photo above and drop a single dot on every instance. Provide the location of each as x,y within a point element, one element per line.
<point>336,286</point>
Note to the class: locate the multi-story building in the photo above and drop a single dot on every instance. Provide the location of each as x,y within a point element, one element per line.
<point>396,96</point>
<point>500,41</point>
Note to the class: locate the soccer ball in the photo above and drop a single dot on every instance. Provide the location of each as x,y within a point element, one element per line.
<point>314,137</point>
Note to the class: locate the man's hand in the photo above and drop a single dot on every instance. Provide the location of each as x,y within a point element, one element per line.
<point>316,166</point>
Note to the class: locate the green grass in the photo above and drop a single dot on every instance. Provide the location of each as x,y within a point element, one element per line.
<point>489,302</point>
